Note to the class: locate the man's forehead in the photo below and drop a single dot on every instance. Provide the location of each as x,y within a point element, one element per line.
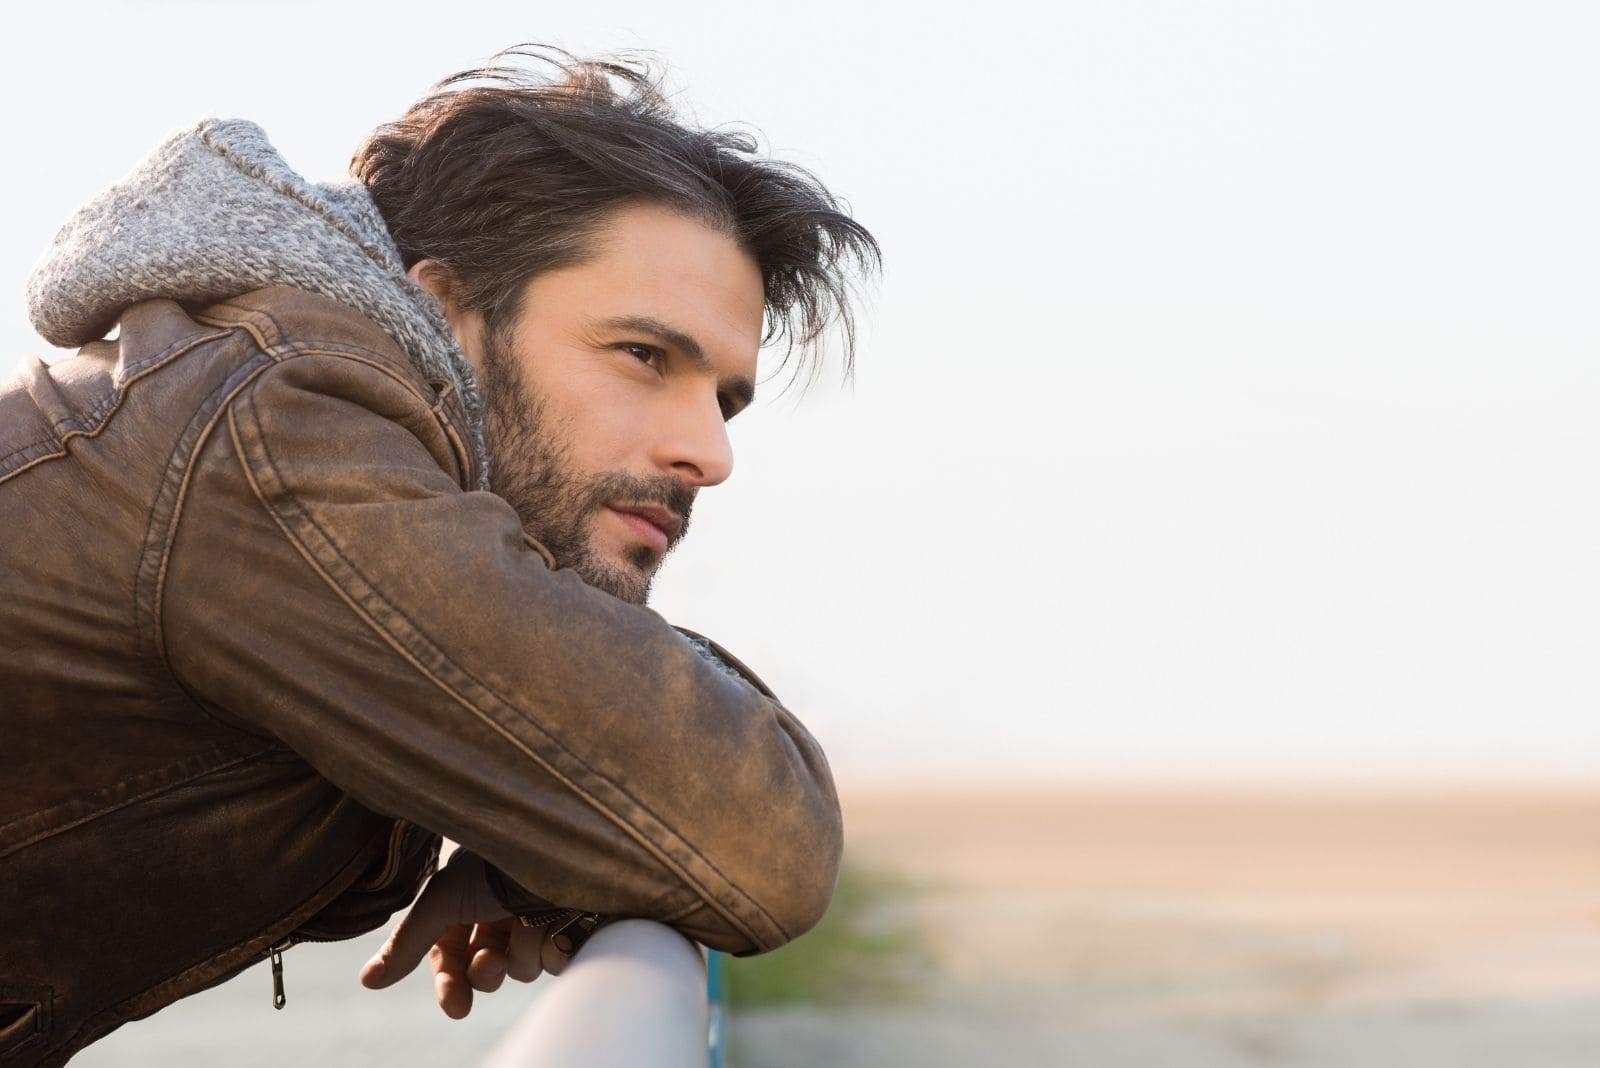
<point>690,286</point>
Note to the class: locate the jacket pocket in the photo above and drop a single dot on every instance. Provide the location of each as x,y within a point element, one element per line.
<point>24,1017</point>
<point>389,883</point>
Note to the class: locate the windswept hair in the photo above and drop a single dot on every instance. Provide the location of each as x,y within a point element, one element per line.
<point>507,171</point>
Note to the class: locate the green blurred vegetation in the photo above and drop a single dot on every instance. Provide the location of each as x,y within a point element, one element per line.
<point>867,948</point>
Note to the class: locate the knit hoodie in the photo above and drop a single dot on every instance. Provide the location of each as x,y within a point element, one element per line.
<point>214,212</point>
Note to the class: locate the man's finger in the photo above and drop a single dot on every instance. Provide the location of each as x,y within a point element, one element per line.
<point>453,993</point>
<point>487,970</point>
<point>551,956</point>
<point>495,936</point>
<point>450,957</point>
<point>410,940</point>
<point>522,953</point>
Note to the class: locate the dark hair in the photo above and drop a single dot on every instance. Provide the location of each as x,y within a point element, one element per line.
<point>507,171</point>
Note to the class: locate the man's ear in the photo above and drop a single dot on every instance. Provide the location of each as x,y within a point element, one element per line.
<point>467,326</point>
<point>435,277</point>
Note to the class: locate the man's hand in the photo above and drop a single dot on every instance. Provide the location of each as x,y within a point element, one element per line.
<point>470,941</point>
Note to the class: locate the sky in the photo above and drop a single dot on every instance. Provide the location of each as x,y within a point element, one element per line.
<point>1225,411</point>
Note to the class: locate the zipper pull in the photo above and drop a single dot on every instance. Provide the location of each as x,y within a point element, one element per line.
<point>279,1000</point>
<point>569,937</point>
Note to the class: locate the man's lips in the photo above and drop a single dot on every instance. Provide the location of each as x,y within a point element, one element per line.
<point>655,526</point>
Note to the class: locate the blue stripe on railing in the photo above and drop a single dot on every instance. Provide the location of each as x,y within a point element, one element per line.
<point>716,1010</point>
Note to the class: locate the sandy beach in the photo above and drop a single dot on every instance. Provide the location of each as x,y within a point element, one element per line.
<point>1211,929</point>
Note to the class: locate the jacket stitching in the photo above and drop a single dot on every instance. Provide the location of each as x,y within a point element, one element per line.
<point>180,498</point>
<point>274,349</point>
<point>275,353</point>
<point>104,810</point>
<point>445,399</point>
<point>366,357</point>
<point>130,375</point>
<point>247,319</point>
<point>677,915</point>
<point>302,517</point>
<point>276,346</point>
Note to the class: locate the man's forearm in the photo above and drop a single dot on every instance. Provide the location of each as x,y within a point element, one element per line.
<point>429,662</point>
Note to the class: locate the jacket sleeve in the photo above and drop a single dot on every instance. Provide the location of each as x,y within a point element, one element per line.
<point>332,585</point>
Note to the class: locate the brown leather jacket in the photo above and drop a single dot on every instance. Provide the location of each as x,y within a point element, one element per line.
<point>260,647</point>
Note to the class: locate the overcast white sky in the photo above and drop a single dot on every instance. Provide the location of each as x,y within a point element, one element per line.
<point>1227,409</point>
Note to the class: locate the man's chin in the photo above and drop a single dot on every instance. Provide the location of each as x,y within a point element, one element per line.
<point>621,580</point>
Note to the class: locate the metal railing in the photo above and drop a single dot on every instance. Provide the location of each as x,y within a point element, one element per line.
<point>635,997</point>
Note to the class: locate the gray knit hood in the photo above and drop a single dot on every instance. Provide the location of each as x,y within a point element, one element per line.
<point>214,212</point>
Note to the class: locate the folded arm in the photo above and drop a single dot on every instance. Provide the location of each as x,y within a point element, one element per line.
<point>332,584</point>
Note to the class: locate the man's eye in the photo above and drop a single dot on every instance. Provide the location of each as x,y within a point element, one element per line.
<point>643,353</point>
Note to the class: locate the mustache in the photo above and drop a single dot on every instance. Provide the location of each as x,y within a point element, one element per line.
<point>621,488</point>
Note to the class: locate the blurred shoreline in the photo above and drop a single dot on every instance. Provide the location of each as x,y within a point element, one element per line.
<point>1059,788</point>
<point>1225,925</point>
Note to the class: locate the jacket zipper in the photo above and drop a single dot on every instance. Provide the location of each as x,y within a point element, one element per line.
<point>569,928</point>
<point>553,914</point>
<point>391,859</point>
<point>279,999</point>
<point>581,925</point>
<point>275,954</point>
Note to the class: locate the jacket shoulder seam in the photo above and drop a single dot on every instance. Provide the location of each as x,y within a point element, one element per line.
<point>150,583</point>
<point>20,460</point>
<point>166,510</point>
<point>268,333</point>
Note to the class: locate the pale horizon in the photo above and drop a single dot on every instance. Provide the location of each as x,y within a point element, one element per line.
<point>1226,411</point>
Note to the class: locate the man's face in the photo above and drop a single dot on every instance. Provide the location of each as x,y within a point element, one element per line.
<point>607,399</point>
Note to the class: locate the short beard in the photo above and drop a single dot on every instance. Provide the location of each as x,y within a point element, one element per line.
<point>531,469</point>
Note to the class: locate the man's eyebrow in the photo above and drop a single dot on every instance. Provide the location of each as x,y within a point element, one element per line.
<point>740,387</point>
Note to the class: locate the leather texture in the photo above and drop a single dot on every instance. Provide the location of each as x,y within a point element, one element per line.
<point>262,643</point>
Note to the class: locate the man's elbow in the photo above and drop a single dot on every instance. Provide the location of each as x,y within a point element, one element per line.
<point>795,862</point>
<point>798,899</point>
<point>780,879</point>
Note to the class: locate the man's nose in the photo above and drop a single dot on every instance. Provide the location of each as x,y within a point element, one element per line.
<point>694,445</point>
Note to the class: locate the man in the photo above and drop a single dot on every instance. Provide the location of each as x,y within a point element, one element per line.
<point>342,545</point>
